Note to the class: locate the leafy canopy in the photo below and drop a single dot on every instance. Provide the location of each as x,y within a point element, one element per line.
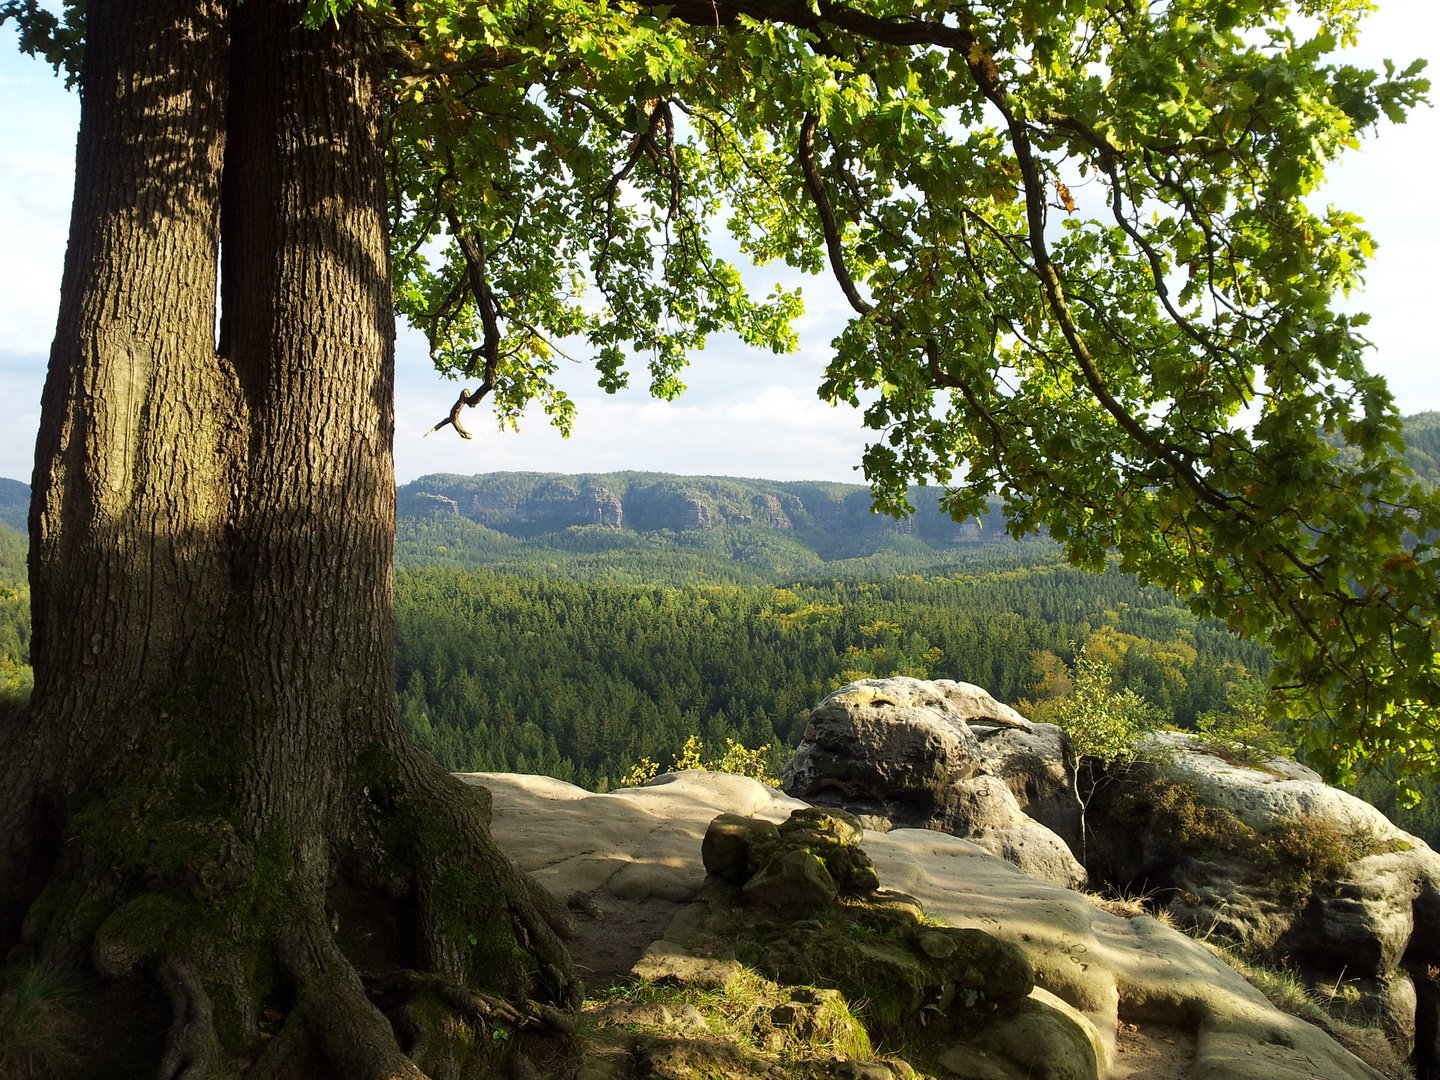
<point>1081,239</point>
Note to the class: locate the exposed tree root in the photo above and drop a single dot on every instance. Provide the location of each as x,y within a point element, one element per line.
<point>192,1050</point>
<point>233,924</point>
<point>344,1025</point>
<point>528,1016</point>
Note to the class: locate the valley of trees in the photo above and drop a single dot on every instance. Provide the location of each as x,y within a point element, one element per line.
<point>579,680</point>
<point>577,652</point>
<point>580,652</point>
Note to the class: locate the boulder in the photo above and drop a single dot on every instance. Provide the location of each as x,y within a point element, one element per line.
<point>942,755</point>
<point>1271,857</point>
<point>651,1014</point>
<point>1031,761</point>
<point>795,883</point>
<point>883,742</point>
<point>797,869</point>
<point>832,836</point>
<point>726,848</point>
<point>980,963</point>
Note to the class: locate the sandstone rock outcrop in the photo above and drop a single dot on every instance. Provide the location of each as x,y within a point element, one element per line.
<point>766,510</point>
<point>604,508</point>
<point>942,755</point>
<point>1271,857</point>
<point>427,505</point>
<point>695,515</point>
<point>1103,967</point>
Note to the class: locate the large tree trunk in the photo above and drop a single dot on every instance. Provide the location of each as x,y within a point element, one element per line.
<point>210,793</point>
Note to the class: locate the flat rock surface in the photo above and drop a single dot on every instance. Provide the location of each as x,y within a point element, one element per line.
<point>1111,969</point>
<point>634,852</point>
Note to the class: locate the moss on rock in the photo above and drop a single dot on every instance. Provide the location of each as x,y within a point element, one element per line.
<point>1289,857</point>
<point>881,956</point>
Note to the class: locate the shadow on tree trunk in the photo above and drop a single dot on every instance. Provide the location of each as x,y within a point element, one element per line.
<point>213,833</point>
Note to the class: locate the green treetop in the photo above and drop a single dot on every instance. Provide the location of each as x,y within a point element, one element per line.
<point>1081,240</point>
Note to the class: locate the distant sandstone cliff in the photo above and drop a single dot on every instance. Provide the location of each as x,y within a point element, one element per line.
<point>535,503</point>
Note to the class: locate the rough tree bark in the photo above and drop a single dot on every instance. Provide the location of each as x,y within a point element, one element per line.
<point>210,805</point>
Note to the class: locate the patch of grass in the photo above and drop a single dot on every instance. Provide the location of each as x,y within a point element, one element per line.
<point>1328,1008</point>
<point>39,1027</point>
<point>1283,988</point>
<point>1133,905</point>
<point>751,1026</point>
<point>732,1011</point>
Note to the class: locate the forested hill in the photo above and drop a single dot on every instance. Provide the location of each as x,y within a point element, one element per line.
<point>14,504</point>
<point>653,528</point>
<point>1422,437</point>
<point>680,530</point>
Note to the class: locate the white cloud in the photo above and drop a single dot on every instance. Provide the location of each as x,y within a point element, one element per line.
<point>37,166</point>
<point>730,422</point>
<point>21,378</point>
<point>1390,183</point>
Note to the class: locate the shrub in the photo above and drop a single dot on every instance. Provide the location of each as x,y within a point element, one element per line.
<point>736,760</point>
<point>1101,726</point>
<point>1291,855</point>
<point>1242,732</point>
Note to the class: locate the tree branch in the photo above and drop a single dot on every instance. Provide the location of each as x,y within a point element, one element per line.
<point>485,302</point>
<point>411,72</point>
<point>816,187</point>
<point>903,32</point>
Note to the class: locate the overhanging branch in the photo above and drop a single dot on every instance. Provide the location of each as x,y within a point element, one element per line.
<point>489,348</point>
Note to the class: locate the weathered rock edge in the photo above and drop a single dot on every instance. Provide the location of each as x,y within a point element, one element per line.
<point>944,755</point>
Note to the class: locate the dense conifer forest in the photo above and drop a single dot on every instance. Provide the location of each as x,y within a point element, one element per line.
<point>580,679</point>
<point>14,616</point>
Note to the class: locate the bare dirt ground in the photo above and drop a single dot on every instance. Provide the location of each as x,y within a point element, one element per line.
<point>1152,1052</point>
<point>605,949</point>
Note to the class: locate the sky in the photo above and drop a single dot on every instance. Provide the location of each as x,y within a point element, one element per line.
<point>746,413</point>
